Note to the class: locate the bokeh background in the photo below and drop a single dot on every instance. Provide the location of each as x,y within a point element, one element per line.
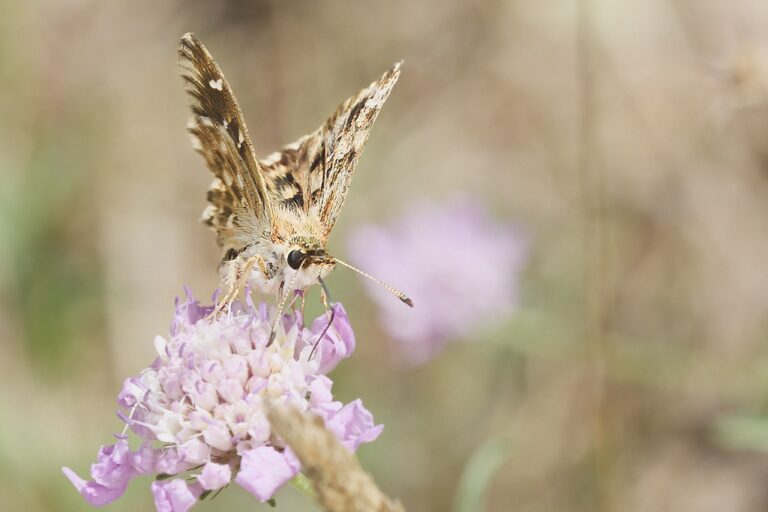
<point>629,140</point>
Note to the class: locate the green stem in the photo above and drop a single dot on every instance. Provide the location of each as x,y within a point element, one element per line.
<point>303,484</point>
<point>478,474</point>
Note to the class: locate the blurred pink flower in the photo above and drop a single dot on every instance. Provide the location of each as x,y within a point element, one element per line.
<point>200,406</point>
<point>460,268</point>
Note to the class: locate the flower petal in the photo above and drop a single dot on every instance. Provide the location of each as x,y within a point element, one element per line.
<point>353,425</point>
<point>188,312</point>
<point>263,470</point>
<point>170,462</point>
<point>321,399</point>
<point>173,495</point>
<point>114,467</point>
<point>215,476</point>
<point>337,343</point>
<point>217,436</point>
<point>145,458</point>
<point>195,451</point>
<point>94,493</point>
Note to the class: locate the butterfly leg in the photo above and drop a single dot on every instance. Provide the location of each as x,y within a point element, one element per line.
<point>237,276</point>
<point>232,289</point>
<point>325,296</point>
<point>296,295</point>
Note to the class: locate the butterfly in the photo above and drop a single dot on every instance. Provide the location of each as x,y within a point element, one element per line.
<point>272,216</point>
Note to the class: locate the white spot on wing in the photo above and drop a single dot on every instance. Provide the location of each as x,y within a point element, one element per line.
<point>196,145</point>
<point>217,184</point>
<point>208,213</point>
<point>216,84</point>
<point>272,158</point>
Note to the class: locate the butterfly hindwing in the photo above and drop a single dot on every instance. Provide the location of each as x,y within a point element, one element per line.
<point>287,172</point>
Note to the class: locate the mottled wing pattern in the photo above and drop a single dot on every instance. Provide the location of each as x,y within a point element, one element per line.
<point>344,136</point>
<point>313,174</point>
<point>219,133</point>
<point>288,172</point>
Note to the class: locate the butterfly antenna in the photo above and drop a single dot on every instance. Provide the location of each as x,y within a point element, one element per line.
<point>330,320</point>
<point>397,293</point>
<point>280,308</point>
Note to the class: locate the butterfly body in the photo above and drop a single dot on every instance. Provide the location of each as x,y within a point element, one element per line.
<point>272,217</point>
<point>275,272</point>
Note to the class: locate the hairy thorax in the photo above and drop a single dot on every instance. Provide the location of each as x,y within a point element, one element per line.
<point>296,230</point>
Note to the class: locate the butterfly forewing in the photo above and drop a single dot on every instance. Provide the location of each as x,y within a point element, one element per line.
<point>313,174</point>
<point>345,135</point>
<point>220,135</point>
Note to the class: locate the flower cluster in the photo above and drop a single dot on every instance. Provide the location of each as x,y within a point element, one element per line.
<point>200,407</point>
<point>459,266</point>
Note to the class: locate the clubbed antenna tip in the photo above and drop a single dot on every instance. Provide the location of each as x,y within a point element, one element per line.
<point>397,293</point>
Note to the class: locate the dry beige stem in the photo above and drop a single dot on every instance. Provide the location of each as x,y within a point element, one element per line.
<point>339,481</point>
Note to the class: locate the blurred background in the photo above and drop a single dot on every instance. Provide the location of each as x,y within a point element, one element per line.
<point>627,140</point>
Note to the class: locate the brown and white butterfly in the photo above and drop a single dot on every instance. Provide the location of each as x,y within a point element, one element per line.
<point>272,216</point>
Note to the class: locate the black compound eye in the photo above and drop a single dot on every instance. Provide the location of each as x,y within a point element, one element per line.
<point>295,259</point>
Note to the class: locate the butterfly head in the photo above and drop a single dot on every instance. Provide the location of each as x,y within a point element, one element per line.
<point>307,260</point>
<point>301,258</point>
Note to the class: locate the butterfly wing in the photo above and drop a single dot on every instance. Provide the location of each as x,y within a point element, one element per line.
<point>288,173</point>
<point>238,196</point>
<point>313,174</point>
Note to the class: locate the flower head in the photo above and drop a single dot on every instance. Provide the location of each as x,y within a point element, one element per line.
<point>200,406</point>
<point>460,268</point>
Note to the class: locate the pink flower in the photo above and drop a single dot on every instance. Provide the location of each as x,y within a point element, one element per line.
<point>215,476</point>
<point>264,469</point>
<point>353,425</point>
<point>173,495</point>
<point>340,341</point>
<point>111,473</point>
<point>199,407</point>
<point>460,268</point>
<point>94,493</point>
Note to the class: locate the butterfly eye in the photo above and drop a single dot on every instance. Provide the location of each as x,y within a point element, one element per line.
<point>296,258</point>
